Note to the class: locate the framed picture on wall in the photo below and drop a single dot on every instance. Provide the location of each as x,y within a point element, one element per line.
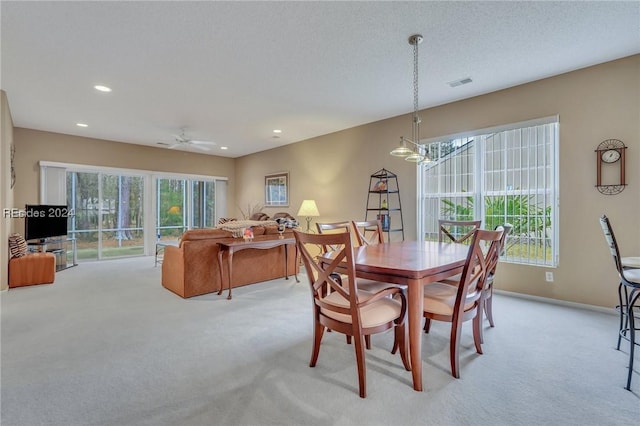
<point>276,190</point>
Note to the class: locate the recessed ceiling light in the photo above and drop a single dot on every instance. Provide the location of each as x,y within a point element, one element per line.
<point>82,125</point>
<point>102,88</point>
<point>277,131</point>
<point>224,147</point>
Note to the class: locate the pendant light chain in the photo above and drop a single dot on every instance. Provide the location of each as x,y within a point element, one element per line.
<point>417,153</point>
<point>416,120</point>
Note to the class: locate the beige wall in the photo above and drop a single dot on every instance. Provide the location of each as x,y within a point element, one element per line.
<point>34,146</point>
<point>6,192</point>
<point>593,104</point>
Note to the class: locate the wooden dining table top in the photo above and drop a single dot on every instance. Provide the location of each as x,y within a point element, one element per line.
<point>418,260</point>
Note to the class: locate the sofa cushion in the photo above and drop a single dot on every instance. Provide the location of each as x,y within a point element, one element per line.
<point>259,216</point>
<point>236,228</point>
<point>17,245</point>
<point>204,234</point>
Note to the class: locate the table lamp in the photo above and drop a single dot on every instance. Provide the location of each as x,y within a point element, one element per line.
<point>308,209</point>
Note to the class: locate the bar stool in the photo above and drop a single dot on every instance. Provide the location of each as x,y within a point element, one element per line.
<point>628,295</point>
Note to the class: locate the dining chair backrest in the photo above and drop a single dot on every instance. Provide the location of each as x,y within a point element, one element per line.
<point>506,230</point>
<point>322,278</point>
<point>457,231</point>
<point>374,227</point>
<point>332,227</point>
<point>484,253</point>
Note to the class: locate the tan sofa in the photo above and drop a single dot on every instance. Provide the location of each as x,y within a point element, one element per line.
<point>191,269</point>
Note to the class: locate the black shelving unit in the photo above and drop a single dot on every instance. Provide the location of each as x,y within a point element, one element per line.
<point>383,202</point>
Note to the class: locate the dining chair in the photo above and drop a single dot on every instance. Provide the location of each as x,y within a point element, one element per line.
<point>457,231</point>
<point>487,291</point>
<point>464,302</point>
<point>628,294</point>
<point>368,285</point>
<point>374,227</point>
<point>346,308</point>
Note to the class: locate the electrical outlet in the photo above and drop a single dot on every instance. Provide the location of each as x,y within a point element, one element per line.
<point>548,276</point>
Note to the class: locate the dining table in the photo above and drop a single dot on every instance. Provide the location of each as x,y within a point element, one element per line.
<point>414,264</point>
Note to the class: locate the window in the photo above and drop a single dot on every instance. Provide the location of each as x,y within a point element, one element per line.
<point>504,175</point>
<point>122,212</point>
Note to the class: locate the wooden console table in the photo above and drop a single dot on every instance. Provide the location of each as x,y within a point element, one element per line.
<point>261,242</point>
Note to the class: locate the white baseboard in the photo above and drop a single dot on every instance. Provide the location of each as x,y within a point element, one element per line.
<point>595,308</point>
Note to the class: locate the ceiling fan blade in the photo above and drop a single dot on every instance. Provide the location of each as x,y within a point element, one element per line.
<point>201,147</point>
<point>202,142</point>
<point>180,139</point>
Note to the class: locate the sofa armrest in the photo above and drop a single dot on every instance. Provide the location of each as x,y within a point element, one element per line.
<point>173,270</point>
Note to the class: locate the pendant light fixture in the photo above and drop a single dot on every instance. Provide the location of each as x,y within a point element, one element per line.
<point>416,151</point>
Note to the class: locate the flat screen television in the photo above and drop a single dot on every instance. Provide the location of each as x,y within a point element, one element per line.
<point>44,221</point>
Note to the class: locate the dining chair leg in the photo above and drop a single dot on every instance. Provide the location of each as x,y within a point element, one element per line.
<point>477,323</point>
<point>318,331</point>
<point>477,331</point>
<point>401,341</point>
<point>454,348</point>
<point>488,308</point>
<point>427,325</point>
<point>362,371</point>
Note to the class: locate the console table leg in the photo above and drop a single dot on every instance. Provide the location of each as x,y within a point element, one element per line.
<point>220,252</point>
<point>286,263</point>
<point>230,260</point>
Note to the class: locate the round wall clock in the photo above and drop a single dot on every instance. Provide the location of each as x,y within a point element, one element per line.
<point>610,154</point>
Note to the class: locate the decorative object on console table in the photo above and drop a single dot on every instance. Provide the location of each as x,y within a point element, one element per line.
<point>383,202</point>
<point>308,209</point>
<point>276,188</point>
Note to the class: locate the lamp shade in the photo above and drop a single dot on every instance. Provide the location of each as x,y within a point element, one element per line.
<point>308,208</point>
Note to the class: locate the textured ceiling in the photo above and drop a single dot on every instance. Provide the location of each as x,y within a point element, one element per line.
<point>231,72</point>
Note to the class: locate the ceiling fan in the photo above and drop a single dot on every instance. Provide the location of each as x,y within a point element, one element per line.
<point>182,141</point>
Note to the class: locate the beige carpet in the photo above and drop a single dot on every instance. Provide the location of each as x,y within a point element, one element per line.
<point>108,345</point>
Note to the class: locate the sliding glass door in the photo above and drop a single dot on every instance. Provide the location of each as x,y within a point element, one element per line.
<point>122,219</point>
<point>109,219</point>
